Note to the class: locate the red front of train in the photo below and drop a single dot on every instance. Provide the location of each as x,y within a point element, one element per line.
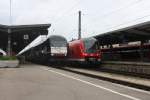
<point>84,50</point>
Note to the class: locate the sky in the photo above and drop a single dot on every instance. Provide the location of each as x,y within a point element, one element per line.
<point>98,16</point>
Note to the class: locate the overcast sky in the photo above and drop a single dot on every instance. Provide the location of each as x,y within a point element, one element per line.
<point>98,16</point>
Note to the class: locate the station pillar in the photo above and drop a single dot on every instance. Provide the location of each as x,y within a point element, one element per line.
<point>141,51</point>
<point>9,43</point>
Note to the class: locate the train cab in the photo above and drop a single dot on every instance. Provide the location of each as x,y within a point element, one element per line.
<point>84,50</point>
<point>58,46</point>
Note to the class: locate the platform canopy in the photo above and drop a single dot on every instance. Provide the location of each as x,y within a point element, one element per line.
<point>39,40</point>
<point>14,28</point>
<point>139,32</point>
<point>21,35</point>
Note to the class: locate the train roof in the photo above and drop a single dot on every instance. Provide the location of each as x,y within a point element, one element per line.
<point>39,40</point>
<point>57,36</point>
<point>78,41</point>
<point>90,38</point>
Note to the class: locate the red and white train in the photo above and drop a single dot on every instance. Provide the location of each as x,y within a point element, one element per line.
<point>84,50</point>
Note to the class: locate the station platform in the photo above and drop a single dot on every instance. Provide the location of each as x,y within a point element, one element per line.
<point>39,82</point>
<point>132,81</point>
<point>127,62</point>
<point>142,68</point>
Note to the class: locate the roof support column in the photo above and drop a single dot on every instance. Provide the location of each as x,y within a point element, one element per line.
<point>9,43</point>
<point>141,51</point>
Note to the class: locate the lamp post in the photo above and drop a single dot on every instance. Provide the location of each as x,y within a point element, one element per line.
<point>9,42</point>
<point>79,26</point>
<point>9,29</point>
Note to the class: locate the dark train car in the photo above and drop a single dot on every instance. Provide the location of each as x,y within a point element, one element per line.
<point>43,49</point>
<point>84,51</point>
<point>128,52</point>
<point>36,51</point>
<point>58,49</point>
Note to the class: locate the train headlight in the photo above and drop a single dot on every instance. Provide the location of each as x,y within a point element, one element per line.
<point>85,54</point>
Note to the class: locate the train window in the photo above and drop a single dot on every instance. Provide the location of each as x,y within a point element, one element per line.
<point>58,42</point>
<point>91,45</point>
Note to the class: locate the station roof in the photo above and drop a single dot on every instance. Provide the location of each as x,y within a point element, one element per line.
<point>14,28</point>
<point>138,32</point>
<point>21,35</point>
<point>39,40</point>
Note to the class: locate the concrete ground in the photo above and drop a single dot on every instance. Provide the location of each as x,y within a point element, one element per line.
<point>120,77</point>
<point>36,82</point>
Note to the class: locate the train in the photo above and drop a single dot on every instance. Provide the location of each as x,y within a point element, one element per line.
<point>56,49</point>
<point>44,48</point>
<point>84,50</point>
<point>132,51</point>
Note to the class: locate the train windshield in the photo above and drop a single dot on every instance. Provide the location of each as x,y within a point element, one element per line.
<point>56,41</point>
<point>91,45</point>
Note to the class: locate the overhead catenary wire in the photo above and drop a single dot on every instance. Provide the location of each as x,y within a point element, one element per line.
<point>117,27</point>
<point>119,9</point>
<point>67,12</point>
<point>113,12</point>
<point>125,23</point>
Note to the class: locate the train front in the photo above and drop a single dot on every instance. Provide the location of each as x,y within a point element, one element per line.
<point>91,50</point>
<point>58,46</point>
